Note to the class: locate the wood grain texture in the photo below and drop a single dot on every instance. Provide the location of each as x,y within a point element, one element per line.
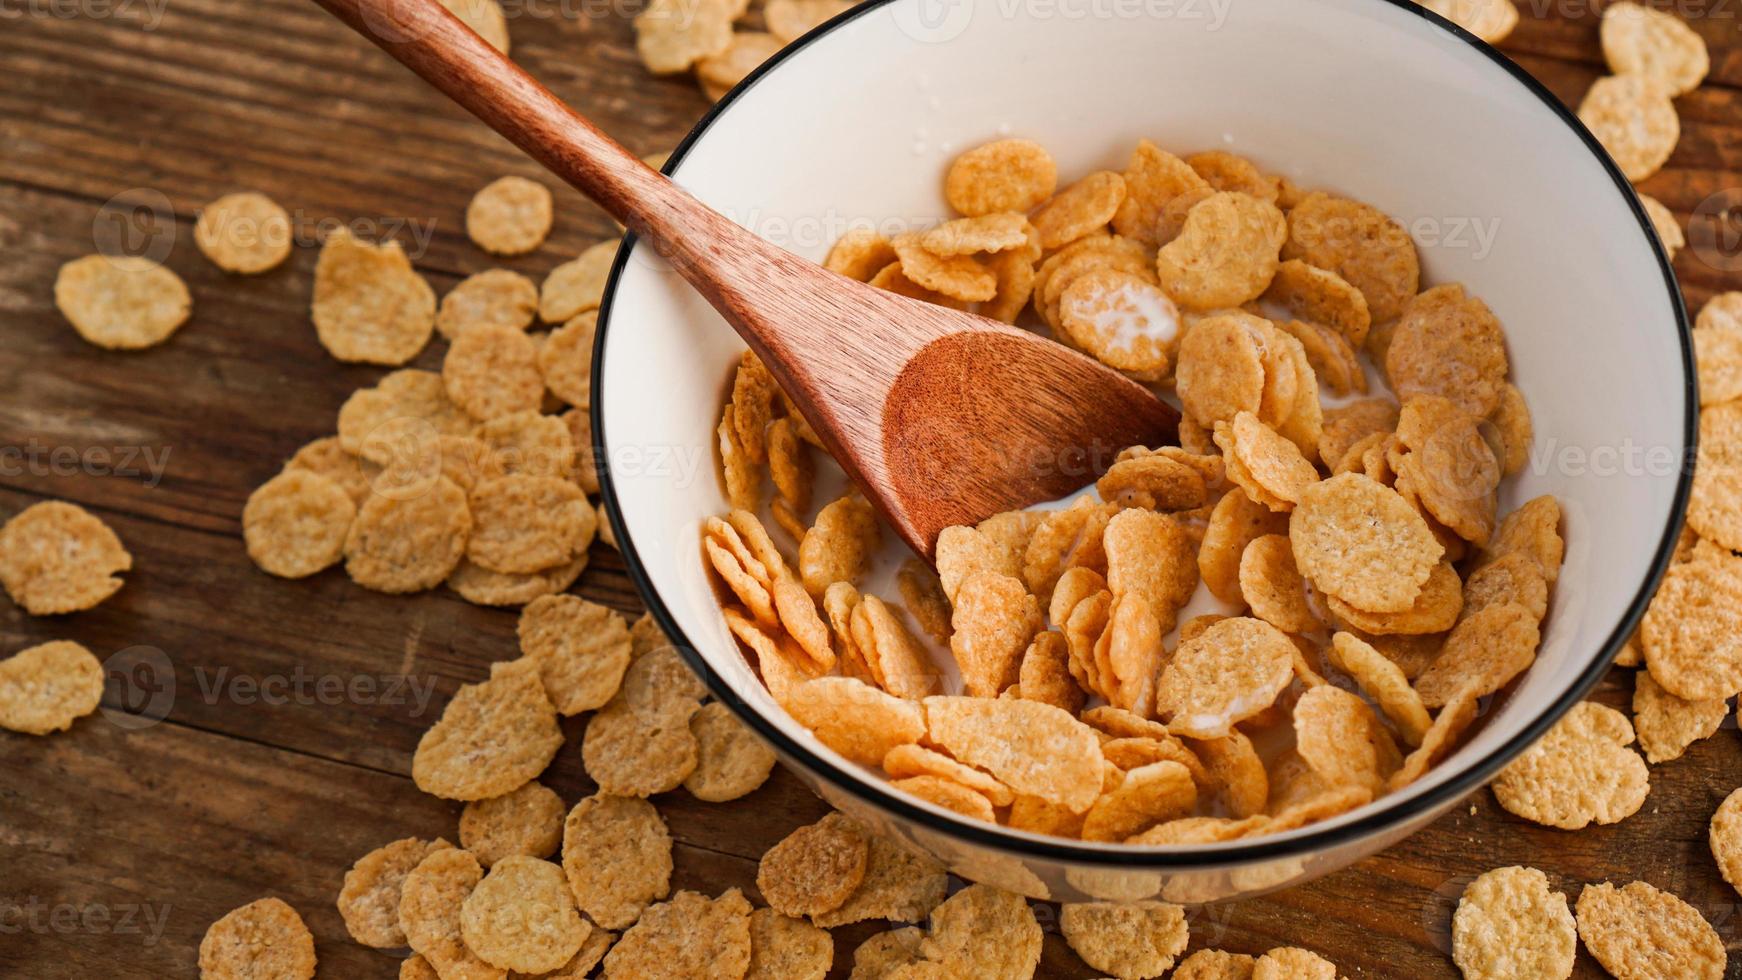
<point>257,783</point>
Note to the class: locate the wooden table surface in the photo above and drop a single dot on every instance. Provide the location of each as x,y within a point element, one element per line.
<point>289,710</point>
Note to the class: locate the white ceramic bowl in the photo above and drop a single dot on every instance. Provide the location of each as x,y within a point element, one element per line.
<point>1502,188</point>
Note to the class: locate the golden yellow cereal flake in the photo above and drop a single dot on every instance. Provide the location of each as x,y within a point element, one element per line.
<point>1509,924</point>
<point>47,687</point>
<point>121,302</point>
<point>265,938</point>
<point>493,737</point>
<point>245,233</point>
<point>1580,772</point>
<point>1639,932</point>
<point>370,306</point>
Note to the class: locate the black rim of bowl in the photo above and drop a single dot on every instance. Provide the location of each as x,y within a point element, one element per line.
<point>1297,843</point>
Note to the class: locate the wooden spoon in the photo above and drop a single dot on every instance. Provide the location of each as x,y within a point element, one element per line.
<point>940,417</point>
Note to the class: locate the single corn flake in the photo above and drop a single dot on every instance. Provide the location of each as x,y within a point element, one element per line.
<point>1221,368</point>
<point>1666,724</point>
<point>495,297</point>
<point>1640,933</point>
<point>617,855</point>
<point>509,216</point>
<point>526,822</point>
<point>690,937</point>
<point>1485,651</point>
<point>47,687</point>
<point>1147,795</point>
<point>1580,772</point>
<point>1293,963</point>
<point>1225,255</point>
<point>1434,610</point>
<point>121,302</point>
<point>635,749</point>
<point>295,524</point>
<point>731,760</point>
<point>1321,296</point>
<point>982,931</point>
<point>839,546</point>
<point>995,620</point>
<point>1122,320</point>
<point>1634,119</point>
<point>493,737</point>
<point>246,233</point>
<point>1231,672</point>
<point>1665,224</point>
<point>1358,540</point>
<point>1451,345</point>
<point>998,544</point>
<point>1154,178</point>
<point>862,252</point>
<point>1510,926</point>
<point>855,719</point>
<point>1268,466</point>
<point>265,938</point>
<point>922,591</point>
<point>814,869</point>
<point>370,306</point>
<point>522,917</point>
<point>1080,209</point>
<point>1340,738</point>
<point>581,647</point>
<point>577,285</point>
<point>958,276</point>
<point>1215,964</point>
<point>1638,40</point>
<point>1274,588</point>
<point>1130,941</point>
<point>1725,838</point>
<point>57,557</point>
<point>1007,175</point>
<point>1692,631</point>
<point>492,371</point>
<point>1384,682</point>
<point>907,761</point>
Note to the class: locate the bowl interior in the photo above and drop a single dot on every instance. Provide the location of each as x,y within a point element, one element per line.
<point>1365,97</point>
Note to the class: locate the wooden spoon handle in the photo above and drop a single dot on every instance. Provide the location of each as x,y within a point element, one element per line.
<point>425,37</point>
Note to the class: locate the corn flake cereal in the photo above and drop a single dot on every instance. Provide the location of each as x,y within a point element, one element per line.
<point>1273,587</point>
<point>691,937</point>
<point>1666,724</point>
<point>370,306</point>
<point>1358,540</point>
<point>1226,253</point>
<point>430,904</point>
<point>641,751</point>
<point>121,302</point>
<point>1121,319</point>
<point>1385,682</point>
<point>1153,179</point>
<point>1634,119</point>
<point>1215,964</point>
<point>855,719</point>
<point>1227,674</point>
<point>1321,296</point>
<point>57,557</point>
<point>1638,40</point>
<point>1359,243</point>
<point>521,917</point>
<point>1579,773</point>
<point>1692,632</point>
<point>860,253</point>
<point>265,938</point>
<point>493,737</point>
<point>1638,932</point>
<point>1665,224</point>
<point>995,619</point>
<point>526,822</point>
<point>814,869</point>
<point>246,233</point>
<point>369,899</point>
<point>838,547</point>
<point>1080,209</point>
<point>1145,796</point>
<point>509,216</point>
<point>1509,924</point>
<point>1035,749</point>
<point>524,524</point>
<point>1136,940</point>
<point>717,73</point>
<point>1221,369</point>
<point>1340,738</point>
<point>295,524</point>
<point>731,761</point>
<point>1007,175</point>
<point>581,648</point>
<point>617,854</point>
<point>982,931</point>
<point>577,285</point>
<point>47,687</point>
<point>492,371</point>
<point>783,948</point>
